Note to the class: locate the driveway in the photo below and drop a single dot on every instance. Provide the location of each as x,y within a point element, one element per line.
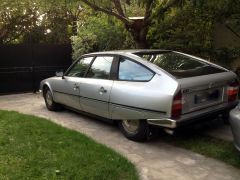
<point>154,160</point>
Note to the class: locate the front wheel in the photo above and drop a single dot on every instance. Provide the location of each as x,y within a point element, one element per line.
<point>136,130</point>
<point>51,105</point>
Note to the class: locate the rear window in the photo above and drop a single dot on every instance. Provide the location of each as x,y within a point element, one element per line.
<point>179,65</point>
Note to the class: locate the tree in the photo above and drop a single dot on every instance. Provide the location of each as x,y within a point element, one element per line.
<point>138,27</point>
<point>39,21</point>
<point>100,33</point>
<point>191,29</point>
<point>69,11</point>
<point>184,29</point>
<point>17,20</point>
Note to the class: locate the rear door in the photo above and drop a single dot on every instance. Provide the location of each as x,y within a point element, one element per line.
<point>132,95</point>
<point>95,88</point>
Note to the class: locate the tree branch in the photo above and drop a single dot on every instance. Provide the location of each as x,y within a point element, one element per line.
<point>109,12</point>
<point>118,7</point>
<point>148,10</point>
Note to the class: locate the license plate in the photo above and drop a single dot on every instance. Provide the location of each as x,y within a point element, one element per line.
<point>207,96</point>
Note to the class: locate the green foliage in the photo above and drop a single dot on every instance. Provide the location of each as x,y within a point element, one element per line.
<point>37,21</point>
<point>100,33</point>
<point>191,29</point>
<point>182,29</point>
<point>184,25</point>
<point>224,56</point>
<point>17,20</point>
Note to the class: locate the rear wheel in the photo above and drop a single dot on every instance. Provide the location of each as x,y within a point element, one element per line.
<point>51,105</point>
<point>136,130</point>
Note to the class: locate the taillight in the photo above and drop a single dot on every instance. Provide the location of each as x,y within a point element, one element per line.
<point>177,106</point>
<point>232,91</point>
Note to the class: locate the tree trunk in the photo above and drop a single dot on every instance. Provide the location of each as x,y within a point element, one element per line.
<point>138,30</point>
<point>140,38</point>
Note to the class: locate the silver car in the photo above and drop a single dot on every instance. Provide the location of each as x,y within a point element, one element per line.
<point>235,125</point>
<point>141,88</point>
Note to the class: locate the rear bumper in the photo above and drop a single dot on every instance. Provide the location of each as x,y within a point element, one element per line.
<point>193,117</point>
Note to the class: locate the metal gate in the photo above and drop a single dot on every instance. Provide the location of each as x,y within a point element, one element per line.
<point>22,67</point>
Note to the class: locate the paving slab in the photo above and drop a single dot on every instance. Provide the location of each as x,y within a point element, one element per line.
<point>154,159</point>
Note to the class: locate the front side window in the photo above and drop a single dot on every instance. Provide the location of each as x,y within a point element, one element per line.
<point>80,68</point>
<point>132,71</point>
<point>100,68</point>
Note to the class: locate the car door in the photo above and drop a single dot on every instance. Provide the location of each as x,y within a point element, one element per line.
<point>95,88</point>
<point>66,89</point>
<point>131,94</point>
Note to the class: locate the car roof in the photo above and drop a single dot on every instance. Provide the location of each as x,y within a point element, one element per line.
<point>134,54</point>
<point>130,51</point>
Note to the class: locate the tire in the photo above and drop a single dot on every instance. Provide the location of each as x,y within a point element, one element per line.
<point>135,130</point>
<point>50,104</point>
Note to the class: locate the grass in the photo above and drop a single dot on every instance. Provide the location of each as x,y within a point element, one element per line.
<point>215,148</point>
<point>35,148</point>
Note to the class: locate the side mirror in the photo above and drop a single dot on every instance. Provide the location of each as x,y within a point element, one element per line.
<point>59,74</point>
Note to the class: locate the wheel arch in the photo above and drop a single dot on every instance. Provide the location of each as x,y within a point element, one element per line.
<point>46,86</point>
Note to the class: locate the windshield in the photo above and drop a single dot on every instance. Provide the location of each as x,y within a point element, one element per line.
<point>179,65</point>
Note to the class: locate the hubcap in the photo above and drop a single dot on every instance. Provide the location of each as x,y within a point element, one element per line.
<point>49,98</point>
<point>131,126</point>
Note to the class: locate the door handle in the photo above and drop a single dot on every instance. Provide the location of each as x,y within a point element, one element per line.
<point>102,90</point>
<point>75,87</point>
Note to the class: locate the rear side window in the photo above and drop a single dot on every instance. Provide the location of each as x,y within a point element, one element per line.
<point>100,68</point>
<point>180,66</point>
<point>80,68</point>
<point>132,71</point>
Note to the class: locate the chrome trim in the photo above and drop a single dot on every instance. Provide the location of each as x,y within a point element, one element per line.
<point>169,123</point>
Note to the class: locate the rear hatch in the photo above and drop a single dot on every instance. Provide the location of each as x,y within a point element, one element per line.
<point>204,91</point>
<point>203,84</point>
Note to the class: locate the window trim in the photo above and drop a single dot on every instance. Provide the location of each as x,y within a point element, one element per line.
<point>111,68</point>
<point>75,62</point>
<point>133,60</point>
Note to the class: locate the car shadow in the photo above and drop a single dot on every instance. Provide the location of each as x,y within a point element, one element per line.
<point>189,132</point>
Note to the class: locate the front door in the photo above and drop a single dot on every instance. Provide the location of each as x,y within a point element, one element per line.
<point>67,89</point>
